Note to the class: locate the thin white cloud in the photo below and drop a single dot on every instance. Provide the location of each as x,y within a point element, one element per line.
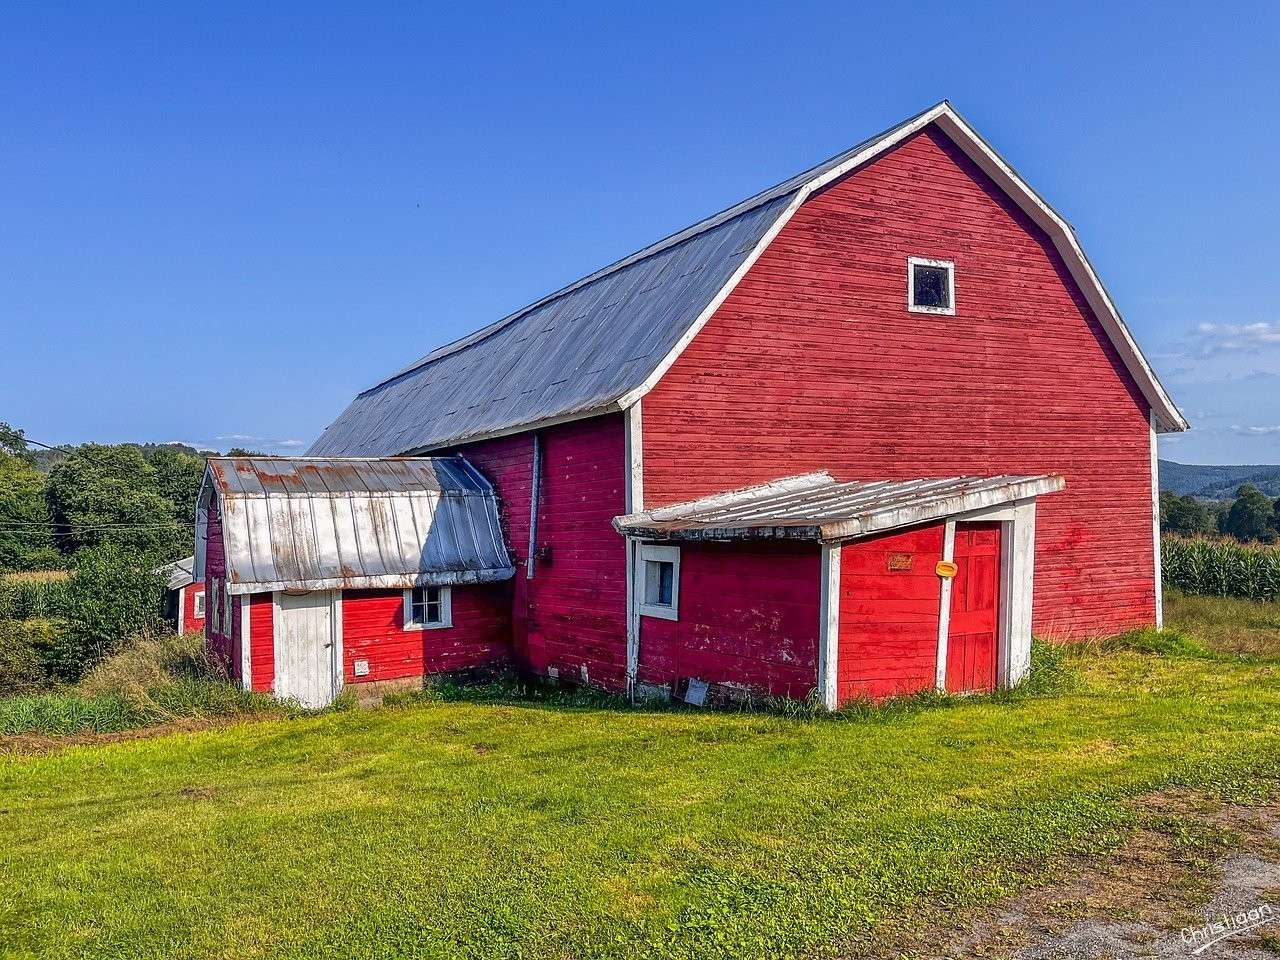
<point>238,439</point>
<point>1214,338</point>
<point>1255,431</point>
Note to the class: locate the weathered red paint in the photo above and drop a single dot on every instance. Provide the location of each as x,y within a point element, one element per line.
<point>262,645</point>
<point>814,362</point>
<point>373,631</point>
<point>748,615</point>
<point>190,622</point>
<point>888,623</point>
<point>575,618</point>
<point>975,607</point>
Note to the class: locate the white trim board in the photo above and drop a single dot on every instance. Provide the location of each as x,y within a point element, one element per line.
<point>1155,525</point>
<point>829,628</point>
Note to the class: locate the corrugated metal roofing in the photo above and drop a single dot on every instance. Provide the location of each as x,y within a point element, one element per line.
<point>318,524</point>
<point>178,573</point>
<point>816,506</point>
<point>575,351</point>
<point>584,348</point>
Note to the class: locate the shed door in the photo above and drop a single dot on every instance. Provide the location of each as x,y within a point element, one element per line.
<point>305,653</point>
<point>972,636</point>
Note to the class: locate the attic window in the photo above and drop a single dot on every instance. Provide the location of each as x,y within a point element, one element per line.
<point>931,286</point>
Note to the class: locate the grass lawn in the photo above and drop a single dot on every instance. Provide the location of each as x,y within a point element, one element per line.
<point>490,830</point>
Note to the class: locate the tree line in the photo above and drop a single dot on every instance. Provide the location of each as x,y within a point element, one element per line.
<point>140,499</point>
<point>1252,517</point>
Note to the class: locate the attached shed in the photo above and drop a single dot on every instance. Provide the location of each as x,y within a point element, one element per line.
<point>184,595</point>
<point>920,584</point>
<point>324,572</point>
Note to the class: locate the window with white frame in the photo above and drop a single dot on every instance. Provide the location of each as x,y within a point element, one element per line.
<point>226,610</point>
<point>659,581</point>
<point>197,604</point>
<point>215,611</point>
<point>428,608</point>
<point>931,286</point>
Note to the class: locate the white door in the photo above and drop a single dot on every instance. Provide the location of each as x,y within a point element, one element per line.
<point>307,655</point>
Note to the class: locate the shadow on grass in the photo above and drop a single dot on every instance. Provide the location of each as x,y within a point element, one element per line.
<point>1050,675</point>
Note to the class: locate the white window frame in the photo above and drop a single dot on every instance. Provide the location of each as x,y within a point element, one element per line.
<point>215,613</point>
<point>197,604</point>
<point>226,611</point>
<point>446,609</point>
<point>659,554</point>
<point>949,266</point>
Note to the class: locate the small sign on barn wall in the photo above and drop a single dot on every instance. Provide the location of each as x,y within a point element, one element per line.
<point>899,561</point>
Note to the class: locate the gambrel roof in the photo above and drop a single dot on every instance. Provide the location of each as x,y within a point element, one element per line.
<point>601,343</point>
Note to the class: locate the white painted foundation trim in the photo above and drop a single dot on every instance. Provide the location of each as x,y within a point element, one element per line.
<point>246,661</point>
<point>944,606</point>
<point>829,628</point>
<point>1155,522</point>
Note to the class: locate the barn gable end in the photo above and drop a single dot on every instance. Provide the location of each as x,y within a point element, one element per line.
<point>815,362</point>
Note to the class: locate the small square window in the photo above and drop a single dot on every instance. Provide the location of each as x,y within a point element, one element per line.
<point>659,585</point>
<point>931,286</point>
<point>198,605</point>
<point>427,608</point>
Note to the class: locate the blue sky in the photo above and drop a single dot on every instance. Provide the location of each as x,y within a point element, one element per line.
<point>219,223</point>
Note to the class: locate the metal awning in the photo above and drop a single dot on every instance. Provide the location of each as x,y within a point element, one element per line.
<point>177,574</point>
<point>302,523</point>
<point>816,506</point>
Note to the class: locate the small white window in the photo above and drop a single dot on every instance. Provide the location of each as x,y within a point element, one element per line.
<point>931,286</point>
<point>226,611</point>
<point>659,581</point>
<point>428,608</point>
<point>198,604</point>
<point>214,621</point>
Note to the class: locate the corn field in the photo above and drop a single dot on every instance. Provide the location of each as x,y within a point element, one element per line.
<point>1221,568</point>
<point>24,598</point>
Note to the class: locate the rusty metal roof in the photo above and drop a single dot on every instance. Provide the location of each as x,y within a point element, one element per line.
<point>816,506</point>
<point>319,524</point>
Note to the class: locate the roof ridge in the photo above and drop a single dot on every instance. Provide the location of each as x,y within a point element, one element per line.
<point>697,228</point>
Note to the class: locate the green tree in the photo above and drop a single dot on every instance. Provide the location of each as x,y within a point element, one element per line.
<point>25,539</point>
<point>178,475</point>
<point>113,594</point>
<point>1185,516</point>
<point>111,494</point>
<point>1250,515</point>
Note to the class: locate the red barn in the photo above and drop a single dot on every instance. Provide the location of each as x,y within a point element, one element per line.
<point>860,434</point>
<point>184,596</point>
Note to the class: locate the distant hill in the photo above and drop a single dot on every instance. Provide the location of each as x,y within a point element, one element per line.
<point>1217,482</point>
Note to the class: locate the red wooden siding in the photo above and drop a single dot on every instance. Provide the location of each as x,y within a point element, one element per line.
<point>576,603</point>
<point>373,630</point>
<point>262,644</point>
<point>190,622</point>
<point>888,642</point>
<point>218,644</point>
<point>975,608</point>
<point>814,362</point>
<point>748,614</point>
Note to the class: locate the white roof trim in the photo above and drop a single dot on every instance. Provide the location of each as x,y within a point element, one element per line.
<point>1168,417</point>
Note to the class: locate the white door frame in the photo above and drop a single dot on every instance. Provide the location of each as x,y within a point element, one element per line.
<point>1017,578</point>
<point>336,659</point>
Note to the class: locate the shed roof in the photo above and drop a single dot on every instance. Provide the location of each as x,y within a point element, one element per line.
<point>600,343</point>
<point>178,574</point>
<point>816,506</point>
<point>318,524</point>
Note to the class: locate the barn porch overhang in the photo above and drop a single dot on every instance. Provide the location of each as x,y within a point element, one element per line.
<point>307,523</point>
<point>817,507</point>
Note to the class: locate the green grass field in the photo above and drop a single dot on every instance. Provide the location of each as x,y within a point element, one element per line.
<point>492,830</point>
